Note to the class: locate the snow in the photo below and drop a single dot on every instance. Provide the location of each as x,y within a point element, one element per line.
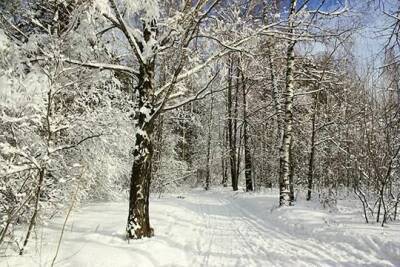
<point>217,228</point>
<point>4,42</point>
<point>146,111</point>
<point>149,48</point>
<point>102,6</point>
<point>142,133</point>
<point>140,192</point>
<point>151,7</point>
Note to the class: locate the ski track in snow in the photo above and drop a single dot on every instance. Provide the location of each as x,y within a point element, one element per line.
<point>215,228</point>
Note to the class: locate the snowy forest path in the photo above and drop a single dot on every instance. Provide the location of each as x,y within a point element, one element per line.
<point>238,233</point>
<point>208,228</point>
<point>233,236</point>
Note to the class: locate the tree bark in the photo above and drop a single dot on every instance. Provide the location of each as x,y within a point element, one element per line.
<point>223,158</point>
<point>310,176</point>
<point>276,94</point>
<point>138,220</point>
<point>291,174</point>
<point>138,225</point>
<point>232,130</point>
<point>247,152</point>
<point>285,198</point>
<point>210,119</point>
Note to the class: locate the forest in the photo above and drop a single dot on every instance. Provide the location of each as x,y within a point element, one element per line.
<point>199,133</point>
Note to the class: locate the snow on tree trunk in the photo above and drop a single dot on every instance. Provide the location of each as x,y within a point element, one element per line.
<point>138,220</point>
<point>285,198</point>
<point>284,175</point>
<point>210,123</point>
<point>276,95</point>
<point>138,225</point>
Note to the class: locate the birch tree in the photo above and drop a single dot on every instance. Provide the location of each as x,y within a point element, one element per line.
<point>285,198</point>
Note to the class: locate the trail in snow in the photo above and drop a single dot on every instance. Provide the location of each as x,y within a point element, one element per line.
<point>216,228</point>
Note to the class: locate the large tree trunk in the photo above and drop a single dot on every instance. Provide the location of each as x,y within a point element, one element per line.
<point>247,161</point>
<point>247,152</point>
<point>158,144</point>
<point>138,225</point>
<point>285,198</point>
<point>276,94</point>
<point>232,131</point>
<point>210,121</point>
<point>223,158</point>
<point>284,157</point>
<point>310,175</point>
<point>291,174</point>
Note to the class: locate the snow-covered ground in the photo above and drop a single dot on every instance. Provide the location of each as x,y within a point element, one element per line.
<point>217,228</point>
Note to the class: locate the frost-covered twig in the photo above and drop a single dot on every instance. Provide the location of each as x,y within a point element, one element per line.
<point>69,146</point>
<point>67,216</point>
<point>197,96</point>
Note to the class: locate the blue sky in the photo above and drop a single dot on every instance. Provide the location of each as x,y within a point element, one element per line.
<point>368,41</point>
<point>316,3</point>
